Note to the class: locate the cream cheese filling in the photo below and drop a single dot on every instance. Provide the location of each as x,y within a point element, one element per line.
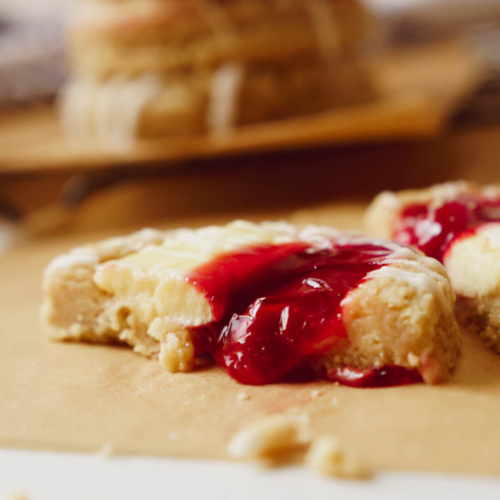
<point>473,261</point>
<point>157,274</point>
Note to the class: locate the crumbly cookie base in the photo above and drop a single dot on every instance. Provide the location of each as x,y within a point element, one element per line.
<point>482,317</point>
<point>480,313</point>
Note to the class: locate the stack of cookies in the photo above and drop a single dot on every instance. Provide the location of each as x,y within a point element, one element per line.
<point>156,68</point>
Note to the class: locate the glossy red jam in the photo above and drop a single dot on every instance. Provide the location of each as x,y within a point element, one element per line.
<point>432,230</point>
<point>376,377</point>
<point>278,308</point>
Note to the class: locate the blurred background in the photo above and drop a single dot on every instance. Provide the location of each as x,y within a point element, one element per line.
<point>429,112</point>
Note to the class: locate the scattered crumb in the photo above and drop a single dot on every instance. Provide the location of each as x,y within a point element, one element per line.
<point>243,396</point>
<point>272,436</point>
<point>335,401</point>
<point>327,457</point>
<point>203,396</point>
<point>174,436</point>
<point>105,452</point>
<point>413,359</point>
<point>176,348</point>
<point>315,393</point>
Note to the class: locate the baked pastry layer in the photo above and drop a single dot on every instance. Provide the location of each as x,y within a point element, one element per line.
<point>117,110</point>
<point>154,68</point>
<point>149,290</point>
<point>458,227</point>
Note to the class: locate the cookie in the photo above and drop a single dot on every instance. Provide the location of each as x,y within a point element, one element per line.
<point>269,302</point>
<point>459,224</point>
<point>150,68</point>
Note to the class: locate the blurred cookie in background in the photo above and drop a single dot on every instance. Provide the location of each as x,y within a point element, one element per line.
<point>151,68</point>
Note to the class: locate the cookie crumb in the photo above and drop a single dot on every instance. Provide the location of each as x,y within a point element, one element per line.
<point>243,396</point>
<point>272,436</point>
<point>105,452</point>
<point>177,352</point>
<point>315,393</point>
<point>413,360</point>
<point>335,401</point>
<point>203,396</point>
<point>327,457</point>
<point>173,436</point>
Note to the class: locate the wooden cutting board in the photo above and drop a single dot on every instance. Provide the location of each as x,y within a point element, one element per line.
<point>418,87</point>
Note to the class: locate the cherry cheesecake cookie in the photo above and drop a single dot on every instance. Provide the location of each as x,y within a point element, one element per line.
<point>268,302</point>
<point>156,68</point>
<point>459,224</point>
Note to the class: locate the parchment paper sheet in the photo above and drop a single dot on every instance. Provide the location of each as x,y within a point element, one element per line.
<point>81,397</point>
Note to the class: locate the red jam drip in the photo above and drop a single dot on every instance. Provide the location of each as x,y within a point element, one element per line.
<point>376,377</point>
<point>432,230</point>
<point>278,308</point>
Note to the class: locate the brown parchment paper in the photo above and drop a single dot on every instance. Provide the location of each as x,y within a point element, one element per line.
<point>81,397</point>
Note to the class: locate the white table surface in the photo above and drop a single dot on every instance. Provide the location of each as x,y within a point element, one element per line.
<point>62,476</point>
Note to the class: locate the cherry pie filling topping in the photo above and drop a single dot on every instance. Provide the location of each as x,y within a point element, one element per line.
<point>433,229</point>
<point>278,308</point>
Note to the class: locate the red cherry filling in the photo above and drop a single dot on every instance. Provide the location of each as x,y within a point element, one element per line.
<point>279,308</point>
<point>432,230</point>
<point>376,377</point>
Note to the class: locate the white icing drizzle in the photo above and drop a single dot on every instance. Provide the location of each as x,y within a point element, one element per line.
<point>421,278</point>
<point>225,85</point>
<point>109,111</point>
<point>445,193</point>
<point>491,192</point>
<point>205,243</point>
<point>80,256</point>
<point>75,99</point>
<point>214,239</point>
<point>116,247</point>
<point>389,200</point>
<point>490,231</point>
<point>131,100</point>
<point>317,235</point>
<point>418,280</point>
<point>449,191</point>
<point>135,241</point>
<point>105,108</point>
